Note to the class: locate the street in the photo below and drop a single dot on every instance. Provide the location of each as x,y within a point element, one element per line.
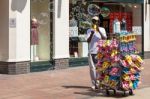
<point>71,83</point>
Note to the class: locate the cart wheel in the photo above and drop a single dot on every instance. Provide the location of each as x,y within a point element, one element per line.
<point>124,93</point>
<point>114,92</point>
<point>131,92</point>
<point>107,92</point>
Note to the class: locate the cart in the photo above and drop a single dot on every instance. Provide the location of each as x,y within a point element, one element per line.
<point>118,67</point>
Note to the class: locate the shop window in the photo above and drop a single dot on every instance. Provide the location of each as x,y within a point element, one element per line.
<point>40,30</point>
<point>128,11</point>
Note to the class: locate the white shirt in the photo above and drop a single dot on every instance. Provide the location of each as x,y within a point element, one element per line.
<point>96,37</point>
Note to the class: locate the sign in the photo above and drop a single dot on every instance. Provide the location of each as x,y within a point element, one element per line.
<point>137,30</point>
<point>73,31</point>
<point>12,22</point>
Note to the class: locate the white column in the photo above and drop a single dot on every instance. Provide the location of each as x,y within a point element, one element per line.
<point>147,28</point>
<point>61,29</point>
<point>19,30</point>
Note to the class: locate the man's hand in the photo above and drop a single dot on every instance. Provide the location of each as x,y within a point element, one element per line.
<point>92,32</point>
<point>89,39</point>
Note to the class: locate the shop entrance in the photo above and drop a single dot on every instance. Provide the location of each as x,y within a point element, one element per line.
<point>41,34</point>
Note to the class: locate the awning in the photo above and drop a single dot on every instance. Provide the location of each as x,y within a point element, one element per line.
<point>125,1</point>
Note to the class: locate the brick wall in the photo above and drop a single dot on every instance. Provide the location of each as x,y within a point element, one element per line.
<point>61,63</point>
<point>14,67</point>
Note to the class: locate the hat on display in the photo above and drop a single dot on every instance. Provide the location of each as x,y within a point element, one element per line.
<point>95,18</point>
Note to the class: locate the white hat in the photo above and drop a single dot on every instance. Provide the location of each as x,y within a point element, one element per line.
<point>95,18</point>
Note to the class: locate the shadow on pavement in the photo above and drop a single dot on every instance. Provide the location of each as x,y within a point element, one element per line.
<point>103,94</point>
<point>82,87</point>
<point>91,93</point>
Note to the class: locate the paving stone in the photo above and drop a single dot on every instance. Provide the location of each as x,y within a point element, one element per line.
<point>71,83</point>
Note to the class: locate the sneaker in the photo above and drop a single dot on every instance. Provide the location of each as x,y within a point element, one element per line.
<point>94,88</point>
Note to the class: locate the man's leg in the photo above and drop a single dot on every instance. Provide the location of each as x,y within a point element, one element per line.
<point>92,69</point>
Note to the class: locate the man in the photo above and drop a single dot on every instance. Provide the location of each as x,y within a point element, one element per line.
<point>94,34</point>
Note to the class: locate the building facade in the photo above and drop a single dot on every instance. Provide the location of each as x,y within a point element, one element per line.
<point>50,34</point>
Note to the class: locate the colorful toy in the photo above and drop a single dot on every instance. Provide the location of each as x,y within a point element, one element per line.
<point>113,53</point>
<point>124,63</point>
<point>106,79</point>
<point>128,59</point>
<point>133,70</point>
<point>132,77</point>
<point>126,77</point>
<point>105,65</point>
<point>114,44</point>
<point>99,55</point>
<point>139,59</point>
<point>135,84</point>
<point>125,85</point>
<point>113,83</point>
<point>114,71</point>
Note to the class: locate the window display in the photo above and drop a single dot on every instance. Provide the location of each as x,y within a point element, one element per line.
<point>40,30</point>
<point>116,17</point>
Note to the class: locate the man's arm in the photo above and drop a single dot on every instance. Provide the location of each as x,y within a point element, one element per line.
<point>102,33</point>
<point>90,37</point>
<point>103,37</point>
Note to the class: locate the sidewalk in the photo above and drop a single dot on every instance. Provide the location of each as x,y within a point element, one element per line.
<point>72,83</point>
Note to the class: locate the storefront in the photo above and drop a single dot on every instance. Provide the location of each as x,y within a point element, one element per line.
<point>39,35</point>
<point>80,13</point>
<point>51,51</point>
<point>49,37</point>
<point>108,11</point>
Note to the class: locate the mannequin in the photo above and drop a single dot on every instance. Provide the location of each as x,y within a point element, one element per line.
<point>116,26</point>
<point>123,24</point>
<point>34,39</point>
